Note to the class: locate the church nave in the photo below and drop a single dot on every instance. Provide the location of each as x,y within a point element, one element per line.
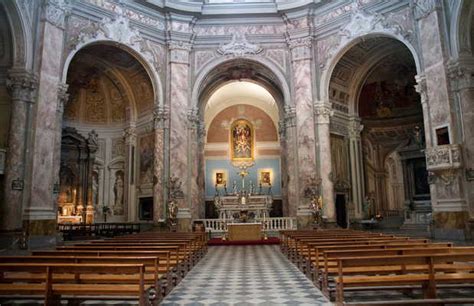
<point>245,275</point>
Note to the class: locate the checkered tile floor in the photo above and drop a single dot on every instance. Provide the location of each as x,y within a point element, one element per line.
<point>245,275</point>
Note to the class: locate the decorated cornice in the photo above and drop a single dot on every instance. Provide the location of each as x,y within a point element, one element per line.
<point>63,97</point>
<point>239,46</point>
<point>300,48</point>
<point>22,85</point>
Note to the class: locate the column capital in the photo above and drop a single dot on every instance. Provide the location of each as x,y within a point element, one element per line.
<point>179,51</point>
<point>130,134</point>
<point>300,47</point>
<point>323,112</point>
<point>193,118</point>
<point>421,88</point>
<point>460,77</point>
<point>22,85</point>
<point>160,117</point>
<point>355,128</point>
<point>55,12</point>
<point>63,97</point>
<point>288,120</point>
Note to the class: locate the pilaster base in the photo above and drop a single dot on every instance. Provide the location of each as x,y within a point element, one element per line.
<point>451,225</point>
<point>304,218</point>
<point>184,220</point>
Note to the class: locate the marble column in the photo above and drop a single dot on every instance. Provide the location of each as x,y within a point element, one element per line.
<point>40,212</point>
<point>323,113</point>
<point>160,117</point>
<point>22,86</point>
<point>179,93</point>
<point>63,97</point>
<point>357,166</point>
<point>289,149</point>
<point>448,198</point>
<point>301,65</point>
<point>462,86</point>
<point>196,133</point>
<point>130,135</point>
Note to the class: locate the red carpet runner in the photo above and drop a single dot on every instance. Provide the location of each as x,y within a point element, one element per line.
<point>219,241</point>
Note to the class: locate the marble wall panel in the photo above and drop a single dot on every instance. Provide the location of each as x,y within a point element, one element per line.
<point>305,121</point>
<point>178,123</point>
<point>45,126</point>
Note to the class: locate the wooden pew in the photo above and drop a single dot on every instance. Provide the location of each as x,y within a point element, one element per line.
<point>429,272</point>
<point>52,288</point>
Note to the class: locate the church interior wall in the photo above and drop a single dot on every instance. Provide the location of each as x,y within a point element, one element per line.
<point>310,57</point>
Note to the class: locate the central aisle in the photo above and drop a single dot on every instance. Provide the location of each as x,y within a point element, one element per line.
<point>245,275</point>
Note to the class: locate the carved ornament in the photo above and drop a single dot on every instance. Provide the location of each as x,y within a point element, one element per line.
<point>323,113</point>
<point>160,117</point>
<point>55,12</point>
<point>439,158</point>
<point>22,85</point>
<point>239,46</point>
<point>63,97</point>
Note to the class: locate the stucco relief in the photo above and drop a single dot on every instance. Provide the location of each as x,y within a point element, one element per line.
<point>118,147</point>
<point>278,57</point>
<point>213,30</point>
<point>95,107</point>
<point>55,12</point>
<point>239,46</point>
<point>201,58</point>
<point>443,157</point>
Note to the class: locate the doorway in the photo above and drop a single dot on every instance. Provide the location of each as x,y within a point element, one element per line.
<point>341,215</point>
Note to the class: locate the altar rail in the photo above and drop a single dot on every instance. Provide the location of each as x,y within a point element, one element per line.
<point>273,224</point>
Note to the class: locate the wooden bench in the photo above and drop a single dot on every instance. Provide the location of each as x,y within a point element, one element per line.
<point>53,288</point>
<point>423,271</point>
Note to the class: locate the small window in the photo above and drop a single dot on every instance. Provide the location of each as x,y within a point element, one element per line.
<point>442,136</point>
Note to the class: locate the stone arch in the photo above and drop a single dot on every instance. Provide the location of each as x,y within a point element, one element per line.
<point>461,25</point>
<point>132,50</point>
<point>21,35</point>
<point>342,48</point>
<point>200,85</point>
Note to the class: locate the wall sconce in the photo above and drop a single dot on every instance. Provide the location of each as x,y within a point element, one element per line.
<point>18,184</point>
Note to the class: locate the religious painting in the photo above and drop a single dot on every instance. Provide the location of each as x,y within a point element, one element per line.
<point>242,140</point>
<point>265,177</point>
<point>146,159</point>
<point>220,178</point>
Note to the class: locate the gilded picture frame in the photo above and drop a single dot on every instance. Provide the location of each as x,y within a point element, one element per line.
<point>242,140</point>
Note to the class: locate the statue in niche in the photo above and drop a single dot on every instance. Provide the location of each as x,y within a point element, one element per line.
<point>118,192</point>
<point>95,188</point>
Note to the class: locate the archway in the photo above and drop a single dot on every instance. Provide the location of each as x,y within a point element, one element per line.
<point>107,151</point>
<point>243,89</point>
<point>379,162</point>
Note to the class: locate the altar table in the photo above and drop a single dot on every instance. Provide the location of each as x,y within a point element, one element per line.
<point>244,231</point>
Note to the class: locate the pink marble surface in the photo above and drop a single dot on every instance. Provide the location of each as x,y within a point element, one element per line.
<point>45,124</point>
<point>179,93</point>
<point>158,211</point>
<point>305,124</point>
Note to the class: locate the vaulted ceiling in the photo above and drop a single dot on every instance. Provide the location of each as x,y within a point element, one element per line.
<point>107,85</point>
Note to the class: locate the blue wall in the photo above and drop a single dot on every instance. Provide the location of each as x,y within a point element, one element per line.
<point>213,164</point>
